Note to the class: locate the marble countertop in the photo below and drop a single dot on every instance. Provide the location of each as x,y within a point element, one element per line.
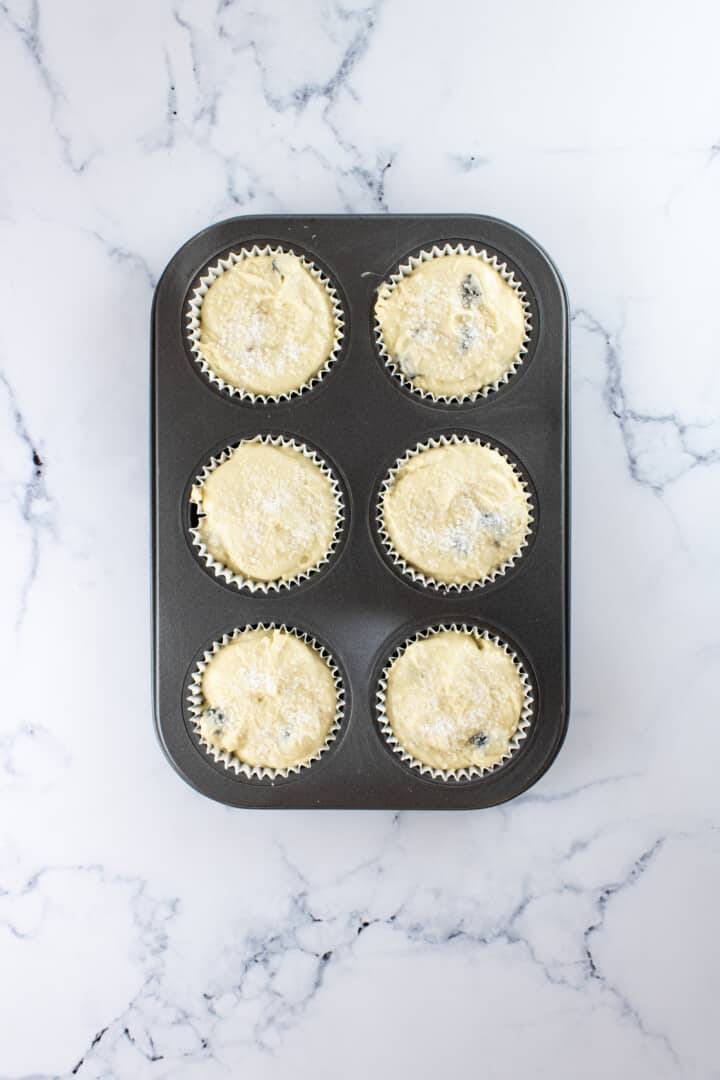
<point>148,932</point>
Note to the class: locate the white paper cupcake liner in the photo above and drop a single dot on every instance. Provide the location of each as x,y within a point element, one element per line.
<point>225,573</point>
<point>407,268</point>
<point>471,772</point>
<point>196,705</point>
<point>192,317</point>
<point>427,580</point>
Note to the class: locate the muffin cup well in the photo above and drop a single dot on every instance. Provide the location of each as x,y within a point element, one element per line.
<point>227,575</point>
<point>405,269</point>
<point>230,761</point>
<point>427,580</point>
<point>470,772</point>
<point>192,316</point>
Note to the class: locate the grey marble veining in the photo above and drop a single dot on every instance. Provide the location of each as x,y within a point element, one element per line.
<point>145,932</point>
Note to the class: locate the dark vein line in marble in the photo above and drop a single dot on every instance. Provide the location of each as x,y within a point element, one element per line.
<point>149,918</point>
<point>208,101</point>
<point>562,796</point>
<point>301,96</point>
<point>43,741</point>
<point>370,177</point>
<point>35,505</point>
<point>242,184</point>
<point>628,1010</point>
<point>376,185</point>
<point>29,34</point>
<point>252,988</point>
<point>204,119</point>
<point>507,931</point>
<point>95,1041</point>
<point>150,1054</point>
<point>633,423</point>
<point>124,256</point>
<point>170,121</point>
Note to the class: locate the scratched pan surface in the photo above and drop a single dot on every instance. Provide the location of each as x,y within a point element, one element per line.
<point>361,419</point>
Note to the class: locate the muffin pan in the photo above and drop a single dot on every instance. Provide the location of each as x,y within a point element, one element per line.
<point>360,418</point>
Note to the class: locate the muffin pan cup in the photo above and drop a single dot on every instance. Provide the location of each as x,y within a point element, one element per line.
<point>219,569</point>
<point>406,270</point>
<point>192,319</point>
<point>362,420</point>
<point>424,578</point>
<point>196,705</point>
<point>467,772</point>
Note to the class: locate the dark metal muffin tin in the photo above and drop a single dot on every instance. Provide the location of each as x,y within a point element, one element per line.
<point>361,420</point>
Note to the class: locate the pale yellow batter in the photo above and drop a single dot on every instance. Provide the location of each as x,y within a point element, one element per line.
<point>453,325</point>
<point>268,513</point>
<point>269,699</point>
<point>456,513</point>
<point>454,700</point>
<point>267,325</point>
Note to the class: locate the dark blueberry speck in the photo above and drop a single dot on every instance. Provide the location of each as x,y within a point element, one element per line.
<point>478,739</point>
<point>467,338</point>
<point>470,292</point>
<point>405,366</point>
<point>217,718</point>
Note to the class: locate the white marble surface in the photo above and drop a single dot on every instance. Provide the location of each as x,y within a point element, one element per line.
<point>146,932</point>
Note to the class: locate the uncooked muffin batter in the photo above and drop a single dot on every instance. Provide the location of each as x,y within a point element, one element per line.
<point>453,325</point>
<point>269,699</point>
<point>456,513</point>
<point>454,700</point>
<point>268,513</point>
<point>267,325</point>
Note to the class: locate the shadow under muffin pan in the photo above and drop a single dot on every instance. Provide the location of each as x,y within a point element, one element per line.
<point>361,419</point>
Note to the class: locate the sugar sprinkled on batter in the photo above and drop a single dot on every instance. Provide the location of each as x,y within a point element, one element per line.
<point>454,700</point>
<point>267,324</point>
<point>268,513</point>
<point>453,325</point>
<point>269,699</point>
<point>456,512</point>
